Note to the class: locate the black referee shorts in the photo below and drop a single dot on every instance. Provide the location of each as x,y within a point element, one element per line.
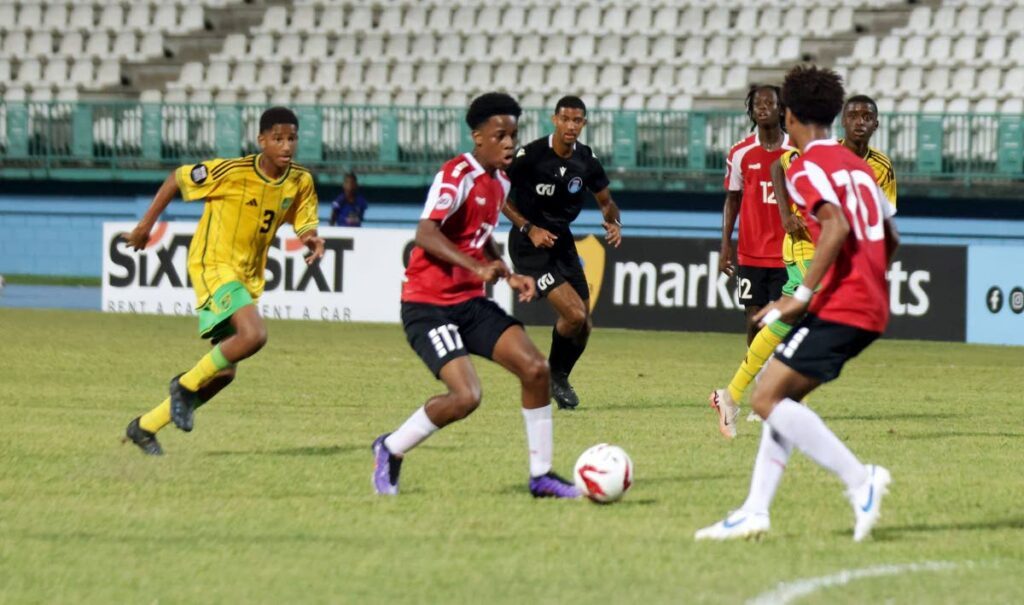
<point>550,267</point>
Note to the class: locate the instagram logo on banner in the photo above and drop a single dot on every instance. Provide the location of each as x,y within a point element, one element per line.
<point>1017,300</point>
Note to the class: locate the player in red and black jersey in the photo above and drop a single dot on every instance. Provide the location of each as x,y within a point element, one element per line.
<point>846,300</point>
<point>550,180</point>
<point>446,314</point>
<point>750,197</point>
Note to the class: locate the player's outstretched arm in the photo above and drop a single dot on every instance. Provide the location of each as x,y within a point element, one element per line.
<point>612,219</point>
<point>834,230</point>
<point>730,211</point>
<point>434,242</point>
<point>791,223</point>
<point>523,284</point>
<point>892,239</point>
<point>541,237</point>
<point>139,236</point>
<point>314,246</point>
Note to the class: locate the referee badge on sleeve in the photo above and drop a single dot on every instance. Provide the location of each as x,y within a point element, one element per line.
<point>199,174</point>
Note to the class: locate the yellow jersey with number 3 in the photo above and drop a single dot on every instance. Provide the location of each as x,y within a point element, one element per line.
<point>244,209</point>
<point>802,248</point>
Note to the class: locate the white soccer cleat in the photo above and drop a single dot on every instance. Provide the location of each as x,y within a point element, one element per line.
<point>722,402</point>
<point>867,501</point>
<point>737,525</point>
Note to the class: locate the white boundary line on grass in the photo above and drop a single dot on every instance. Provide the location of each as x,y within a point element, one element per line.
<point>787,592</point>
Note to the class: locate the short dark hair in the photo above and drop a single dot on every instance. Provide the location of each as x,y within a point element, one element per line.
<point>571,102</point>
<point>351,175</point>
<point>861,99</point>
<point>752,92</point>
<point>814,94</point>
<point>491,104</point>
<point>277,115</point>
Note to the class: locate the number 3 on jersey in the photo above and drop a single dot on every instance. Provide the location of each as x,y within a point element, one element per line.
<point>863,204</point>
<point>268,221</point>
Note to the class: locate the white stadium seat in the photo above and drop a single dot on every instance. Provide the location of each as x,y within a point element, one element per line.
<point>692,20</point>
<point>331,19</point>
<point>112,17</point>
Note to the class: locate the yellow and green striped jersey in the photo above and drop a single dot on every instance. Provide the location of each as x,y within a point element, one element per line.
<point>244,209</point>
<point>885,176</point>
<point>800,249</point>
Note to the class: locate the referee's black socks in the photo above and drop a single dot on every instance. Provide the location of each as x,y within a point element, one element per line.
<point>565,350</point>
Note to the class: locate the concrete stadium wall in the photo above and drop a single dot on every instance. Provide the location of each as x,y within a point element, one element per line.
<point>51,235</point>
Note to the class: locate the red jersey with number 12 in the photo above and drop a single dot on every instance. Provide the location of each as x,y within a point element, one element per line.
<point>854,292</point>
<point>748,169</point>
<point>467,202</point>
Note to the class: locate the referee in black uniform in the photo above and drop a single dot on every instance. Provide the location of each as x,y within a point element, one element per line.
<point>549,177</point>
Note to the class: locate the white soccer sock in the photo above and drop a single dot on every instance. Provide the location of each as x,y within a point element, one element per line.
<point>538,439</point>
<point>412,432</point>
<point>770,463</point>
<point>800,425</point>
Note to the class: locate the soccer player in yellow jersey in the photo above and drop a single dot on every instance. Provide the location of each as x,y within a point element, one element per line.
<point>246,200</point>
<point>860,120</point>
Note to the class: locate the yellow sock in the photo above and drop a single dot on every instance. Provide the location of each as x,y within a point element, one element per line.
<point>157,418</point>
<point>207,368</point>
<point>760,350</point>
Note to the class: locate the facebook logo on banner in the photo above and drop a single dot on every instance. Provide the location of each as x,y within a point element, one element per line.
<point>995,295</point>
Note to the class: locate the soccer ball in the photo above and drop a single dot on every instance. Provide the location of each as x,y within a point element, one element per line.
<point>603,473</point>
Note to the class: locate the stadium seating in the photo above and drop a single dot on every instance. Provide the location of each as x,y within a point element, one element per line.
<point>965,54</point>
<point>61,47</point>
<point>623,55</point>
<point>356,50</point>
<point>354,57</point>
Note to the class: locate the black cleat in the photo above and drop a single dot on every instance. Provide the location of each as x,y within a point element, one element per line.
<point>564,394</point>
<point>183,405</point>
<point>144,439</point>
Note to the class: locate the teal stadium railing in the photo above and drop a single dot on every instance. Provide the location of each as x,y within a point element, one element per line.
<point>404,145</point>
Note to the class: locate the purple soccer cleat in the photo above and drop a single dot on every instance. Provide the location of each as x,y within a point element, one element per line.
<point>386,468</point>
<point>551,485</point>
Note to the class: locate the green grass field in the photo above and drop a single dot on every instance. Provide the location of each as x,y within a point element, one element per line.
<point>269,499</point>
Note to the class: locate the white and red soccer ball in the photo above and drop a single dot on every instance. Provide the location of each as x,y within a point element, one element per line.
<point>603,473</point>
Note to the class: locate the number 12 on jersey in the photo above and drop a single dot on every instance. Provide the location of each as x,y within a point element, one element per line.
<point>768,193</point>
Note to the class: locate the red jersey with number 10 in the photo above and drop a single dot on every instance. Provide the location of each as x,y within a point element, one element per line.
<point>467,202</point>
<point>854,292</point>
<point>748,169</point>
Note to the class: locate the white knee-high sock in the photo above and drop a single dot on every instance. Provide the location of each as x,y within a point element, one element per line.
<point>539,439</point>
<point>770,463</point>
<point>801,426</point>
<point>412,432</point>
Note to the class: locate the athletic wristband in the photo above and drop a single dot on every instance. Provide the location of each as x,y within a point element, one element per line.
<point>771,317</point>
<point>525,229</point>
<point>803,294</point>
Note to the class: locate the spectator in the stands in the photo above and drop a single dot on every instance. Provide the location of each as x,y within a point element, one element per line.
<point>349,208</point>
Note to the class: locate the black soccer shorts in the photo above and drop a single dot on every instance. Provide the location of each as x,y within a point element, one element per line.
<point>819,348</point>
<point>758,286</point>
<point>550,267</point>
<point>440,334</point>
